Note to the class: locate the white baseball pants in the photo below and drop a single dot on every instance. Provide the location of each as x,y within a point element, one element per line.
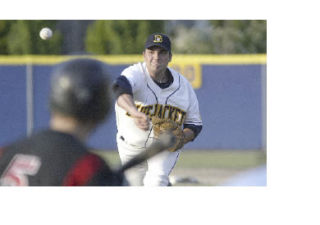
<point>153,172</point>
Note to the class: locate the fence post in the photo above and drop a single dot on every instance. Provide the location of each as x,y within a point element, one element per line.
<point>29,96</point>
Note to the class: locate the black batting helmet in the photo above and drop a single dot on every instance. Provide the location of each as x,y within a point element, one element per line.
<point>80,89</point>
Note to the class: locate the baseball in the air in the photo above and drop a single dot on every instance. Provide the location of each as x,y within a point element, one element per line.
<point>45,33</point>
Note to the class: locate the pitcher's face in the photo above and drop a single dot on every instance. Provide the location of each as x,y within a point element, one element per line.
<point>157,59</point>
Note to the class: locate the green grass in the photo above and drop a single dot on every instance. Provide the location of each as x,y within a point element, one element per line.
<point>233,159</point>
<point>209,167</point>
<point>220,159</point>
<point>112,157</point>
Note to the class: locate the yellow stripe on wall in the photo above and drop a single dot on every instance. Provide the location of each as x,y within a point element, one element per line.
<point>129,59</point>
<point>221,59</point>
<point>187,65</point>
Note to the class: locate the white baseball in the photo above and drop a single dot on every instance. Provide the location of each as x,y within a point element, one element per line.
<point>45,33</point>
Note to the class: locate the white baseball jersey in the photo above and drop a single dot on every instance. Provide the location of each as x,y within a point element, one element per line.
<point>177,102</point>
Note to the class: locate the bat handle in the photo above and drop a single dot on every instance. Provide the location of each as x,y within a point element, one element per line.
<point>165,141</point>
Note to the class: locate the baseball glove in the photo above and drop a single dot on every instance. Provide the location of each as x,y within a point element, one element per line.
<point>165,125</point>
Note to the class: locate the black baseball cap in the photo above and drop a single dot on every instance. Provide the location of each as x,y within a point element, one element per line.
<point>158,39</point>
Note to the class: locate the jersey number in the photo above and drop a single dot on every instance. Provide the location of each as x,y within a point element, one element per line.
<point>18,170</point>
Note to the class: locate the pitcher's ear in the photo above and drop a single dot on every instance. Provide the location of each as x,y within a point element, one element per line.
<point>170,56</point>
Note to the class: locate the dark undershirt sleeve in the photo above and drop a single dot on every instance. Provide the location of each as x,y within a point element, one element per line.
<point>196,129</point>
<point>121,86</point>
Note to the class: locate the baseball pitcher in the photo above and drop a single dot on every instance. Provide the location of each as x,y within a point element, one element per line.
<point>151,99</point>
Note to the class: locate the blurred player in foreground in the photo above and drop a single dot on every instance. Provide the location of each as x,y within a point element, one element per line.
<point>148,92</point>
<point>79,101</point>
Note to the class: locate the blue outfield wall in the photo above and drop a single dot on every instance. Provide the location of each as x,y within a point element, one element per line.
<point>12,103</point>
<point>231,99</point>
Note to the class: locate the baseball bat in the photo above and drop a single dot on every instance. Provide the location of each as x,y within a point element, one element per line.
<point>165,141</point>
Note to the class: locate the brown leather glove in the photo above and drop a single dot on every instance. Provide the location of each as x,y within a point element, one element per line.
<point>165,125</point>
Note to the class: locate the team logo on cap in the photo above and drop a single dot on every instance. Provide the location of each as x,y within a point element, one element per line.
<point>157,38</point>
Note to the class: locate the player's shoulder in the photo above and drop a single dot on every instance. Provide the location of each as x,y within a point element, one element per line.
<point>133,69</point>
<point>56,138</point>
<point>135,74</point>
<point>178,75</point>
<point>45,141</point>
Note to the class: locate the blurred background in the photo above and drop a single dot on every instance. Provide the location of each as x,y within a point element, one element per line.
<point>225,61</point>
<point>20,37</point>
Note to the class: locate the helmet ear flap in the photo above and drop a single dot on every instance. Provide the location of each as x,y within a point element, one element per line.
<point>80,88</point>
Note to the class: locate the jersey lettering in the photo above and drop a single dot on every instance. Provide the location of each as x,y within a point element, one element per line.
<point>148,108</point>
<point>159,114</point>
<point>171,110</point>
<point>16,174</point>
<point>163,111</point>
<point>155,109</point>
